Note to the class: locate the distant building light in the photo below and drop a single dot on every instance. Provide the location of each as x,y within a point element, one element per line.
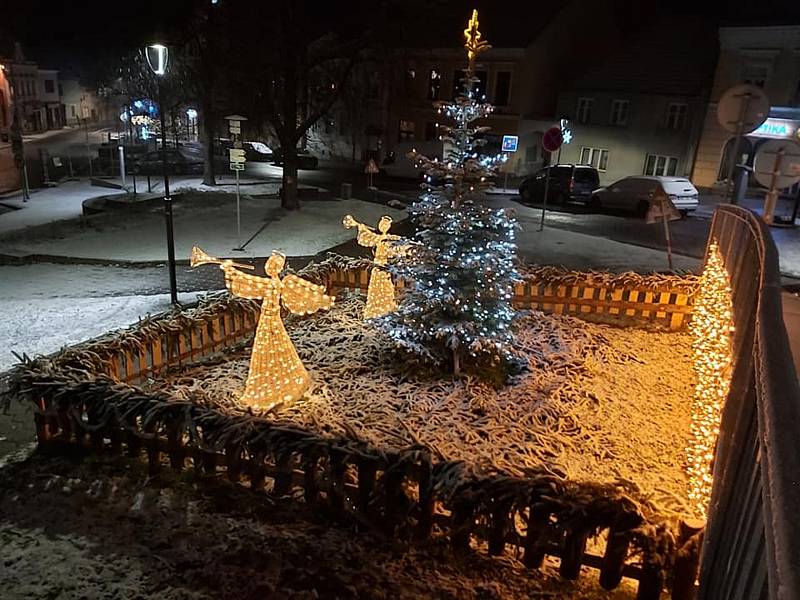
<point>191,113</point>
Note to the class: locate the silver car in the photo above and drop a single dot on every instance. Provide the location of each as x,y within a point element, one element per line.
<point>634,193</point>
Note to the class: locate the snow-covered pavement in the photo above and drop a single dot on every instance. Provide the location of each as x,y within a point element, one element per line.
<point>207,220</point>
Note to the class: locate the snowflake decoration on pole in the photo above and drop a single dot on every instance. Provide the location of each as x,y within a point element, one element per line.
<point>462,270</point>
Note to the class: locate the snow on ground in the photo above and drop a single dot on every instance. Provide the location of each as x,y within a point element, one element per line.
<point>207,220</point>
<point>44,325</point>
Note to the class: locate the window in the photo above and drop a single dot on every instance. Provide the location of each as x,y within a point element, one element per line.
<point>502,88</point>
<point>407,131</point>
<point>434,84</point>
<point>431,132</point>
<point>478,90</point>
<point>49,86</point>
<point>676,116</point>
<point>755,74</point>
<point>619,112</point>
<point>594,157</point>
<point>72,108</point>
<point>532,154</point>
<point>656,164</point>
<point>585,109</point>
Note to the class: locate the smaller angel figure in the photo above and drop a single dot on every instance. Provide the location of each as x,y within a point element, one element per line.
<point>380,293</point>
<point>277,375</point>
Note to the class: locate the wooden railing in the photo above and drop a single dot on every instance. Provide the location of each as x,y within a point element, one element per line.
<point>752,541</point>
<point>651,301</point>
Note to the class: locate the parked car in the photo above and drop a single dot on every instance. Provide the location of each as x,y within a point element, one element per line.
<point>305,160</point>
<point>177,163</point>
<point>567,183</point>
<point>258,152</point>
<point>634,193</point>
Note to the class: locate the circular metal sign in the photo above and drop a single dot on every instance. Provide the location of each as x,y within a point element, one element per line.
<point>744,102</point>
<point>552,139</point>
<point>780,158</point>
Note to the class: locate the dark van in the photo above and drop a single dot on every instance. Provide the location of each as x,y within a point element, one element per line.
<point>568,183</point>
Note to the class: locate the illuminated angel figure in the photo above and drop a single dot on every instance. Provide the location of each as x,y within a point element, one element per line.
<point>276,376</point>
<point>380,293</point>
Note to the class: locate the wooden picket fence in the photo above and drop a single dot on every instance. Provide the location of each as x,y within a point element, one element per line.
<point>653,302</point>
<point>498,513</point>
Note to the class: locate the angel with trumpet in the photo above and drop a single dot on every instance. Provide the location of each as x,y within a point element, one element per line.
<point>277,375</point>
<point>380,292</point>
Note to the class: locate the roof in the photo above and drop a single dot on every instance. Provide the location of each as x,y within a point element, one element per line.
<point>658,58</point>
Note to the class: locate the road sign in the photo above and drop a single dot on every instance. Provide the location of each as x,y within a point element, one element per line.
<point>235,128</point>
<point>510,143</point>
<point>235,118</point>
<point>236,155</point>
<point>745,104</point>
<point>237,166</point>
<point>552,139</point>
<point>766,160</point>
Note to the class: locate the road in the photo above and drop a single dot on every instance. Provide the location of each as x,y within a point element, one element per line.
<point>67,144</point>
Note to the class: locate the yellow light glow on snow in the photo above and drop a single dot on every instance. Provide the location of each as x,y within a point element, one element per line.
<point>380,292</point>
<point>276,376</point>
<point>711,328</point>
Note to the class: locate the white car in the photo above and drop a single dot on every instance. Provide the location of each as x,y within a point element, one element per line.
<point>634,193</point>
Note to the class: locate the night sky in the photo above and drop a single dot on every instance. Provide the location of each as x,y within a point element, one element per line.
<point>82,36</point>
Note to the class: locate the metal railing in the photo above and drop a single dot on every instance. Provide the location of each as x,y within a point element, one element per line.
<point>752,540</point>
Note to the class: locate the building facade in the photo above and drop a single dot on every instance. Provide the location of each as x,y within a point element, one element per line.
<point>768,57</point>
<point>640,111</point>
<point>36,93</point>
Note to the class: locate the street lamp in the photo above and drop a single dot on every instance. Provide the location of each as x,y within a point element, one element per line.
<point>157,59</point>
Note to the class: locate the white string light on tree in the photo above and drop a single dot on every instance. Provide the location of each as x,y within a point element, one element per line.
<point>462,272</point>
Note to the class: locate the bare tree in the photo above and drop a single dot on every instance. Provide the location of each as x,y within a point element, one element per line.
<point>294,60</point>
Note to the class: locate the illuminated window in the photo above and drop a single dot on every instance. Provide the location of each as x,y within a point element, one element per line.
<point>584,109</point>
<point>676,115</point>
<point>502,88</point>
<point>407,131</point>
<point>619,112</point>
<point>594,157</point>
<point>434,84</point>
<point>656,164</point>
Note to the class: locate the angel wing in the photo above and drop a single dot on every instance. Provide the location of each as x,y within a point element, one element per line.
<point>303,297</point>
<point>244,285</point>
<point>367,238</point>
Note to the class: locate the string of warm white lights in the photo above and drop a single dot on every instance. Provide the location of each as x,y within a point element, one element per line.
<point>711,328</point>
<point>380,292</point>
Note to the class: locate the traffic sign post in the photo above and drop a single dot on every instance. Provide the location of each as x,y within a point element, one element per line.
<point>510,144</point>
<point>776,166</point>
<point>742,109</point>
<point>237,158</point>
<point>551,141</point>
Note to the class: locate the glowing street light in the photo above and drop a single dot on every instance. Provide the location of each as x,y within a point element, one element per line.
<point>157,59</point>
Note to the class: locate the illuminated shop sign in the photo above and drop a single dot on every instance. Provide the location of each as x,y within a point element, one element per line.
<point>776,128</point>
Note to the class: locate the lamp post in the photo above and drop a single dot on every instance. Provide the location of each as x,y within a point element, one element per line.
<point>157,59</point>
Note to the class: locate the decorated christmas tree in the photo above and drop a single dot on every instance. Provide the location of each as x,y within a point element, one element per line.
<point>462,269</point>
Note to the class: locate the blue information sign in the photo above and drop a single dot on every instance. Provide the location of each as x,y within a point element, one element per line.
<point>510,143</point>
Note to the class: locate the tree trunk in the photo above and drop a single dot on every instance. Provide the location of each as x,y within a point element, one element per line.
<point>209,134</point>
<point>289,199</point>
